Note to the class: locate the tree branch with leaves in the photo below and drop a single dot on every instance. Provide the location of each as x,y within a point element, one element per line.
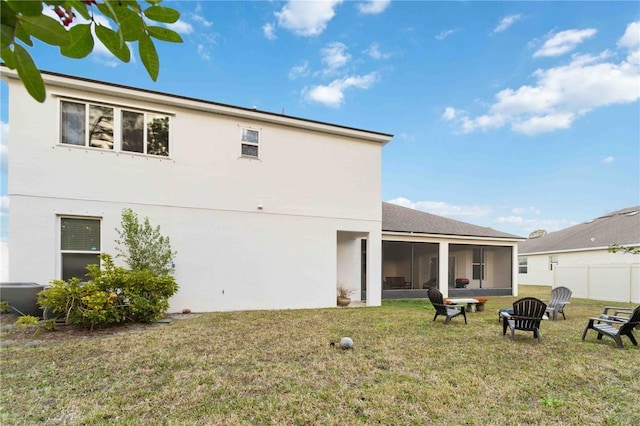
<point>75,37</point>
<point>614,248</point>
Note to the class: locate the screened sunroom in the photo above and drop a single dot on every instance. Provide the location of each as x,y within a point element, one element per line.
<point>421,250</point>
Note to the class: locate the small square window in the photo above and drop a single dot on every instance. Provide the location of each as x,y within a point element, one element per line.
<point>250,140</point>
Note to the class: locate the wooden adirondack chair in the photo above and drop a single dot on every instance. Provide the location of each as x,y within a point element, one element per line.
<point>449,311</point>
<point>615,327</point>
<point>559,299</point>
<point>527,315</point>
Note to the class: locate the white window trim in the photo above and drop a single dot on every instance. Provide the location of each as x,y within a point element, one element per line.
<point>117,128</point>
<point>60,252</point>
<point>257,145</point>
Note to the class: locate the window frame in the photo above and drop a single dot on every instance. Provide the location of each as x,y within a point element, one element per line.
<point>478,264</point>
<point>248,143</point>
<point>553,262</point>
<point>118,122</point>
<point>61,252</point>
<point>523,265</point>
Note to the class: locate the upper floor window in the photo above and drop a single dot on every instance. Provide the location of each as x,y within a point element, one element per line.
<point>86,124</point>
<point>145,133</point>
<point>250,139</point>
<point>522,265</point>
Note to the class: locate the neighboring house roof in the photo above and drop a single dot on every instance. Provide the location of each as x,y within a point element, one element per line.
<point>620,227</point>
<point>402,219</point>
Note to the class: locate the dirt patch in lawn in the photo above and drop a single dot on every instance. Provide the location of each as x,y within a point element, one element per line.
<point>36,334</point>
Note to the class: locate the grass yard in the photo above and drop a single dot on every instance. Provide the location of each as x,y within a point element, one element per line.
<point>276,367</point>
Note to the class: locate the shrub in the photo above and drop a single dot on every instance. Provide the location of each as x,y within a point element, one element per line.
<point>144,294</point>
<point>113,294</point>
<point>83,304</point>
<point>5,307</point>
<point>142,246</point>
<point>27,320</point>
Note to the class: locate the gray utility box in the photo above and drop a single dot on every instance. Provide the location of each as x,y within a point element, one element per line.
<point>23,297</point>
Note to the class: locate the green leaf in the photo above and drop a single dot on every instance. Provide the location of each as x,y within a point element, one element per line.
<point>149,56</point>
<point>80,7</point>
<point>6,55</point>
<point>6,34</point>
<point>164,34</point>
<point>27,8</point>
<point>22,34</point>
<point>81,42</point>
<point>131,24</point>
<point>162,14</point>
<point>29,73</point>
<point>7,15</point>
<point>46,29</point>
<point>113,42</point>
<point>107,10</point>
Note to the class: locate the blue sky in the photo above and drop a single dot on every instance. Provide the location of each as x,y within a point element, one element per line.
<point>513,115</point>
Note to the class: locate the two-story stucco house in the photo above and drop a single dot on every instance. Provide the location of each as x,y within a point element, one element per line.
<point>265,211</point>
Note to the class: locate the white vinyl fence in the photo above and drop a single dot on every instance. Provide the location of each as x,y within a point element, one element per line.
<point>614,283</point>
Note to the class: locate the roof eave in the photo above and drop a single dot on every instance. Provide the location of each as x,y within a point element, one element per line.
<point>128,92</point>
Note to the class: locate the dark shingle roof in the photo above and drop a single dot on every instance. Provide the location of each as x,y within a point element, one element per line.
<point>402,219</point>
<point>620,227</point>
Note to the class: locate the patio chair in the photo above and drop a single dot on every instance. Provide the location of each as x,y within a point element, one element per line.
<point>559,299</point>
<point>449,311</point>
<point>527,314</point>
<point>615,328</point>
<point>617,313</point>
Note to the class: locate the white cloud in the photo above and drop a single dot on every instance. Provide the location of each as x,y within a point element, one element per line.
<point>203,52</point>
<point>631,41</point>
<point>563,42</point>
<point>506,22</point>
<point>307,18</point>
<point>441,208</point>
<point>558,97</point>
<point>449,113</point>
<point>513,220</point>
<point>608,160</point>
<point>522,210</point>
<point>631,38</point>
<point>269,31</point>
<point>333,94</point>
<point>373,7</point>
<point>334,57</point>
<point>299,71</point>
<point>407,136</point>
<point>445,34</point>
<point>200,19</point>
<point>542,124</point>
<point>375,53</point>
<point>181,27</point>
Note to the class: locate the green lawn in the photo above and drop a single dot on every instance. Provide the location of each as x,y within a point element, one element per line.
<point>276,367</point>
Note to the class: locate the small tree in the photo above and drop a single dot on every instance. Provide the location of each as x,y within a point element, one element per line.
<point>538,233</point>
<point>142,246</point>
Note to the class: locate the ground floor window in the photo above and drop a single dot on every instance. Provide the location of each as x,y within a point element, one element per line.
<point>79,246</point>
<point>522,265</point>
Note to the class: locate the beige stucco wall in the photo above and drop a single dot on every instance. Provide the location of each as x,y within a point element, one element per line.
<point>250,234</point>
